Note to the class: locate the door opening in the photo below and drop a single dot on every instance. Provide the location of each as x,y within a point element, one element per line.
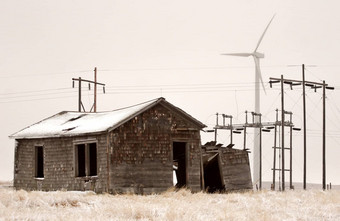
<point>179,164</point>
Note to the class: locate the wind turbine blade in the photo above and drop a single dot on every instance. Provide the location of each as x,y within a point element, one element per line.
<point>258,70</point>
<point>239,54</point>
<point>259,42</point>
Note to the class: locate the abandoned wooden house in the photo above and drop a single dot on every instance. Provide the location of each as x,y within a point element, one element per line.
<point>225,168</point>
<point>131,149</point>
<point>145,148</point>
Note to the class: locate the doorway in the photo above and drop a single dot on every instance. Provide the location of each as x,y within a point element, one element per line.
<point>179,164</point>
<point>213,174</point>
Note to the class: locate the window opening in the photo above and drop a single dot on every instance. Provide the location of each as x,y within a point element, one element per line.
<point>86,159</point>
<point>81,160</point>
<point>39,162</point>
<point>93,159</point>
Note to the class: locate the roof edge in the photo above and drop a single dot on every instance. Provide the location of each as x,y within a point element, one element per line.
<point>12,136</point>
<point>150,104</point>
<point>60,136</point>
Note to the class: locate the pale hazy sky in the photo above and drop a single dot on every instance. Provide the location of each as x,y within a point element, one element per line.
<point>152,48</point>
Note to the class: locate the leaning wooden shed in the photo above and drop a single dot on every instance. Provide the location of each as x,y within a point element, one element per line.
<point>225,168</point>
<point>133,149</point>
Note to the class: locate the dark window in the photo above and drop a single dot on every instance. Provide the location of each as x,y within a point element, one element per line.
<point>86,159</point>
<point>39,162</point>
<point>81,160</point>
<point>93,159</point>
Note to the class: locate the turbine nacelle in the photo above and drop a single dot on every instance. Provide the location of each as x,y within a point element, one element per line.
<point>258,54</point>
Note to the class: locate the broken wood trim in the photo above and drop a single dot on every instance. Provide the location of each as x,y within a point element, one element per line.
<point>201,166</point>
<point>186,129</point>
<point>84,141</point>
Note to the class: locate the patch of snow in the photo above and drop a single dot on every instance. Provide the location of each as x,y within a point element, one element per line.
<point>76,123</point>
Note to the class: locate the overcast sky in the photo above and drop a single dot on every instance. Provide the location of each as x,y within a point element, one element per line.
<point>151,48</point>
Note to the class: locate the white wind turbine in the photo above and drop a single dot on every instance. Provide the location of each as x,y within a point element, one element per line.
<point>258,78</point>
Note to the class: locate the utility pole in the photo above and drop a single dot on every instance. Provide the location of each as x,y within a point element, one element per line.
<point>260,115</point>
<point>245,132</point>
<point>283,124</point>
<point>274,159</point>
<point>79,96</point>
<point>80,80</point>
<point>95,90</point>
<point>290,149</point>
<point>283,135</point>
<point>304,128</point>
<point>291,126</point>
<point>324,136</point>
<point>324,87</point>
<point>216,129</point>
<point>291,161</point>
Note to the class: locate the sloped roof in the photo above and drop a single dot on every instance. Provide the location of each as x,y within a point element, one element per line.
<point>68,123</point>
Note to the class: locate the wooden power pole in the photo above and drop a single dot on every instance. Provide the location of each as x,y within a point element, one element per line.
<point>304,128</point>
<point>283,136</point>
<point>80,80</point>
<point>95,90</point>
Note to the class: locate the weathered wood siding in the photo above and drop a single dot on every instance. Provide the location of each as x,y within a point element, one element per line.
<point>236,169</point>
<point>139,156</point>
<point>59,165</point>
<point>141,152</point>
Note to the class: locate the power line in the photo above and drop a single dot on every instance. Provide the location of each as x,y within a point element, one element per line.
<point>149,69</point>
<point>184,85</point>
<point>41,74</point>
<point>35,91</point>
<point>36,95</point>
<point>172,91</point>
<point>126,87</point>
<point>169,86</point>
<point>38,99</point>
<point>184,68</point>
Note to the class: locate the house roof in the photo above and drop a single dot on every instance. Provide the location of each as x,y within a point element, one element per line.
<point>69,123</point>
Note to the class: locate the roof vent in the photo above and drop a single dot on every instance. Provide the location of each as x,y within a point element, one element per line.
<point>76,118</point>
<point>68,129</point>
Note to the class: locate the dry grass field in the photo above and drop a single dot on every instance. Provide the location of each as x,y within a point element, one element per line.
<point>171,205</point>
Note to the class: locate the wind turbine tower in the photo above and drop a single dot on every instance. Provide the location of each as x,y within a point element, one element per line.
<point>258,78</point>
